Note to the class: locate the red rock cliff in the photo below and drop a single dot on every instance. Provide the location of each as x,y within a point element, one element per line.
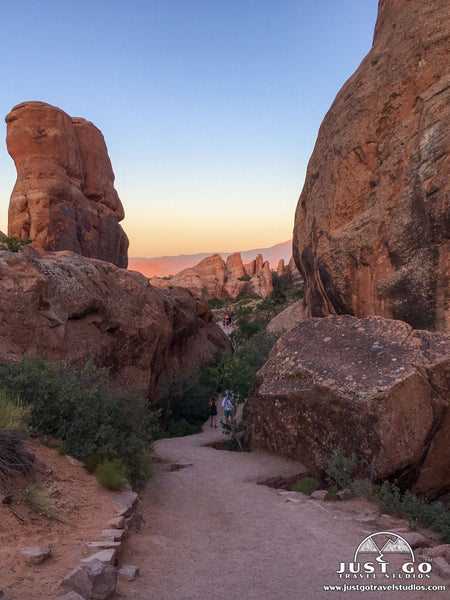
<point>64,197</point>
<point>372,224</point>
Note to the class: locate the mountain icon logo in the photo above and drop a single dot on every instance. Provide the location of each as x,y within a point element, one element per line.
<point>384,542</point>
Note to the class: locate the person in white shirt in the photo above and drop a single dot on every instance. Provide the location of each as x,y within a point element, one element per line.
<point>227,404</point>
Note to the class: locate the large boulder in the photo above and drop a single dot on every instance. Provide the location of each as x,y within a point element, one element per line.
<point>372,226</point>
<point>64,196</point>
<point>375,387</point>
<point>287,319</point>
<point>68,307</point>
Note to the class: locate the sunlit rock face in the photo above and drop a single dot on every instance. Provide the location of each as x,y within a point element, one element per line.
<point>374,387</point>
<point>372,224</point>
<point>64,306</point>
<point>215,278</point>
<point>64,197</point>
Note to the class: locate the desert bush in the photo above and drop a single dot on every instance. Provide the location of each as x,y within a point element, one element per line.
<point>13,243</point>
<point>248,325</point>
<point>184,406</point>
<point>307,485</point>
<point>246,295</point>
<point>340,469</point>
<point>112,474</point>
<point>215,303</point>
<point>419,511</point>
<point>75,406</point>
<point>238,372</point>
<point>182,427</point>
<point>13,412</point>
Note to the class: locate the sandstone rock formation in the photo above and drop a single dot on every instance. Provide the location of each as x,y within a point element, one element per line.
<point>289,271</point>
<point>374,386</point>
<point>68,307</point>
<point>215,278</point>
<point>64,196</point>
<point>372,224</point>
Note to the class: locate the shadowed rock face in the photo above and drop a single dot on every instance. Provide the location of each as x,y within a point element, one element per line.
<point>372,386</point>
<point>64,196</point>
<point>372,224</point>
<point>67,307</point>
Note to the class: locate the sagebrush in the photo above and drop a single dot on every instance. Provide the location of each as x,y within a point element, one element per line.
<point>74,406</point>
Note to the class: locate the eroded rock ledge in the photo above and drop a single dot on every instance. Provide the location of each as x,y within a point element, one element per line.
<point>64,306</point>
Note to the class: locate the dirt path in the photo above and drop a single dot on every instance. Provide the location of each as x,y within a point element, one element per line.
<point>212,533</point>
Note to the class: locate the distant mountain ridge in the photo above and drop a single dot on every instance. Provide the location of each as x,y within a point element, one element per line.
<point>161,266</point>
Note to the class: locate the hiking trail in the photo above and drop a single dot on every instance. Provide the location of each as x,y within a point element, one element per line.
<point>212,533</point>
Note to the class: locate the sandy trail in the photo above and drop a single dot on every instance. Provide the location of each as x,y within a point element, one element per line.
<point>212,533</point>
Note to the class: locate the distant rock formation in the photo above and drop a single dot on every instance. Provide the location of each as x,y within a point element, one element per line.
<point>289,271</point>
<point>67,307</point>
<point>215,278</point>
<point>64,197</point>
<point>374,387</point>
<point>372,224</point>
<point>163,266</point>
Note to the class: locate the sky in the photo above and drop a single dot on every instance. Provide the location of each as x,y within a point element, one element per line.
<point>210,110</point>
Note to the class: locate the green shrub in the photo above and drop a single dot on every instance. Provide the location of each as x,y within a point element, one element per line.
<point>246,295</point>
<point>333,491</point>
<point>13,243</point>
<point>13,413</point>
<point>182,427</point>
<point>74,406</point>
<point>244,278</point>
<point>215,303</point>
<point>419,511</point>
<point>340,469</point>
<point>184,407</point>
<point>238,372</point>
<point>307,485</point>
<point>111,474</point>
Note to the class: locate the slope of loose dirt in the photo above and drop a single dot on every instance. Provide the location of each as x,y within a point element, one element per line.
<point>81,501</point>
<point>212,533</point>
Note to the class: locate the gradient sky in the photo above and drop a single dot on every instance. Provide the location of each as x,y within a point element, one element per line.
<point>210,110</point>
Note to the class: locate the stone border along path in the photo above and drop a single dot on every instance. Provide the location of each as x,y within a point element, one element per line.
<point>97,576</point>
<point>212,533</point>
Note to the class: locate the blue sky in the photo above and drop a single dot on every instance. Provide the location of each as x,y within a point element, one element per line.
<point>210,110</point>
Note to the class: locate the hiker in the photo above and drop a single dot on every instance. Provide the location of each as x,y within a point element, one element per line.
<point>227,407</point>
<point>227,320</point>
<point>213,412</point>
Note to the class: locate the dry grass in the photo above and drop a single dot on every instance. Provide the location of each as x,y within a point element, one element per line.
<point>38,498</point>
<point>14,459</point>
